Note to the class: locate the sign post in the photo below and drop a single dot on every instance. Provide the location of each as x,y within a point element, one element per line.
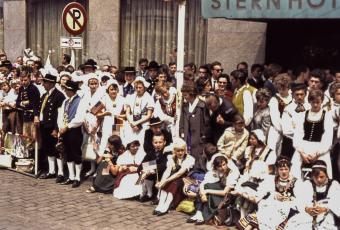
<point>74,19</point>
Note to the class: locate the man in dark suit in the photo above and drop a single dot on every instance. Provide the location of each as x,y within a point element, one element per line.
<point>222,113</point>
<point>27,104</point>
<point>50,102</point>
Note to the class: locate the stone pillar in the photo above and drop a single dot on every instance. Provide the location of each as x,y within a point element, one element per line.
<point>14,28</point>
<point>231,41</point>
<point>103,31</point>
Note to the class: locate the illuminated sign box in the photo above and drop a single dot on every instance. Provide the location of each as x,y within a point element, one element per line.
<point>280,9</point>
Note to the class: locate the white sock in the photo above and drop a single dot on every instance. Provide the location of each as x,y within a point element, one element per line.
<point>149,186</point>
<point>166,205</point>
<point>162,198</point>
<point>60,164</point>
<point>51,165</point>
<point>199,215</point>
<point>144,189</point>
<point>78,170</point>
<point>70,166</point>
<point>93,168</point>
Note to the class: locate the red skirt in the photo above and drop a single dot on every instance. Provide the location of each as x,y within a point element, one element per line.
<point>176,189</point>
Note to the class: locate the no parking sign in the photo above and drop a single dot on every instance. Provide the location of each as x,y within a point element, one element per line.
<point>74,18</point>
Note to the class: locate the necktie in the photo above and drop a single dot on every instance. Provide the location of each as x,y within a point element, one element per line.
<point>300,108</point>
<point>43,105</point>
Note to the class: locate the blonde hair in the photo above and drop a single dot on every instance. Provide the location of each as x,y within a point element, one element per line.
<point>179,143</point>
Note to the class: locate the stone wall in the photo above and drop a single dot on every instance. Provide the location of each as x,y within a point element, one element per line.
<point>103,31</point>
<point>14,27</point>
<point>232,41</point>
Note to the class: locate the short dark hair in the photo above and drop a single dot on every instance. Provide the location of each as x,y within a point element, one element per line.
<point>242,63</point>
<point>272,70</point>
<point>116,141</point>
<point>298,86</point>
<point>218,161</point>
<point>300,69</point>
<point>256,66</point>
<point>67,58</point>
<point>142,60</point>
<point>240,75</point>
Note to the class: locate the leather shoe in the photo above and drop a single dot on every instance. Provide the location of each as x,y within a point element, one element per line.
<point>76,184</point>
<point>144,199</point>
<point>59,179</point>
<point>155,212</point>
<point>47,176</point>
<point>161,213</point>
<point>154,201</point>
<point>189,221</point>
<point>199,222</point>
<point>66,182</point>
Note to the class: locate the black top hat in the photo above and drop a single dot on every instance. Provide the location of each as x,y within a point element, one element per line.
<point>153,65</point>
<point>129,69</point>
<point>90,63</point>
<point>155,121</point>
<point>50,78</point>
<point>71,85</point>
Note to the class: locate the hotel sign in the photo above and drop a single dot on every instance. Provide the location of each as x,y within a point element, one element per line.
<point>256,9</point>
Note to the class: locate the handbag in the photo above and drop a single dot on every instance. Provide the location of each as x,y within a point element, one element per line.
<point>5,161</point>
<point>88,149</point>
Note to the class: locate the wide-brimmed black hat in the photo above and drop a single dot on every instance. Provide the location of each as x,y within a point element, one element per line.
<point>71,85</point>
<point>129,69</point>
<point>50,78</point>
<point>90,63</point>
<point>155,121</point>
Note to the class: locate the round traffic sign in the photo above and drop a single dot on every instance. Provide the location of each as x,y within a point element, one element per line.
<point>74,18</point>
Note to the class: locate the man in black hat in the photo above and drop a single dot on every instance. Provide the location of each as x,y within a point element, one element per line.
<point>151,77</point>
<point>155,128</point>
<point>50,102</point>
<point>90,66</point>
<point>129,77</point>
<point>27,104</point>
<point>70,120</point>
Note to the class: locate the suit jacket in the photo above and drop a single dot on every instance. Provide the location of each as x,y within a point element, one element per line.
<point>196,126</point>
<point>257,84</point>
<point>227,111</point>
<point>50,112</point>
<point>148,147</point>
<point>32,95</point>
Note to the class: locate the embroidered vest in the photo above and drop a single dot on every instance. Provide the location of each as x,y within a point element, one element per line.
<point>238,100</point>
<point>313,129</point>
<point>71,108</point>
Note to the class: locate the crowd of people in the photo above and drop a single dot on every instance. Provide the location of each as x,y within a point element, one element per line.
<point>257,148</point>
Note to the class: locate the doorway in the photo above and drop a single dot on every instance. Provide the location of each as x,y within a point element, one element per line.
<point>315,43</point>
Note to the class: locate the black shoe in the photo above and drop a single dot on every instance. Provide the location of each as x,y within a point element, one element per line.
<point>199,222</point>
<point>59,179</point>
<point>190,221</point>
<point>154,201</point>
<point>144,199</point>
<point>76,184</point>
<point>155,212</point>
<point>66,182</point>
<point>47,176</point>
<point>161,213</point>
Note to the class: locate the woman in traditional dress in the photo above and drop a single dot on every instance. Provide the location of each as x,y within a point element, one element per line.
<point>171,184</point>
<point>313,136</point>
<point>274,212</point>
<point>107,169</point>
<point>216,185</point>
<point>277,105</point>
<point>261,119</point>
<point>125,184</point>
<point>114,106</point>
<point>258,150</point>
<point>250,189</point>
<point>165,107</point>
<point>321,194</point>
<point>139,110</point>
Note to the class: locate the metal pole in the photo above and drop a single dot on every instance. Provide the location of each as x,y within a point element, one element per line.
<point>180,60</point>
